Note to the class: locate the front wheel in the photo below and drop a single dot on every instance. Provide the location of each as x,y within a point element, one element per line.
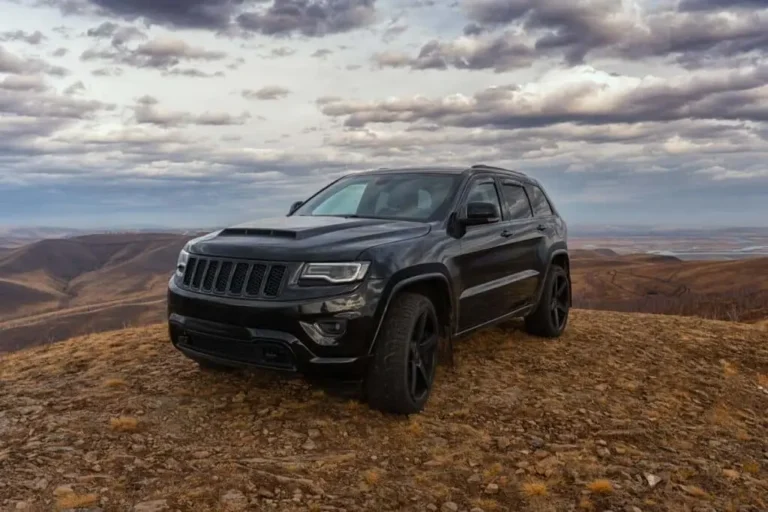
<point>403,368</point>
<point>550,317</point>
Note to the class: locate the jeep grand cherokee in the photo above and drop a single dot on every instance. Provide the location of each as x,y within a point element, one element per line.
<point>369,275</point>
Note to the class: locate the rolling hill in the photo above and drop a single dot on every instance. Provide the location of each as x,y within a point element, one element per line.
<point>54,289</point>
<point>625,412</point>
<point>57,288</point>
<point>726,290</point>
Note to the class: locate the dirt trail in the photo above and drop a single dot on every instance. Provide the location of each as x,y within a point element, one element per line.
<point>120,422</point>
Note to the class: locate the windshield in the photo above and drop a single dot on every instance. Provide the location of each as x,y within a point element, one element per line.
<point>411,196</point>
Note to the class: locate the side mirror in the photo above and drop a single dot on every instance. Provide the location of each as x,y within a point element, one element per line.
<point>481,213</point>
<point>295,206</point>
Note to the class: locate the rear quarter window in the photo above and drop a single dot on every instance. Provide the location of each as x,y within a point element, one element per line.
<point>541,206</point>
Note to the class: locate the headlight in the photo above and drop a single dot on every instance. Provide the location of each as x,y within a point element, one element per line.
<point>181,263</point>
<point>334,273</point>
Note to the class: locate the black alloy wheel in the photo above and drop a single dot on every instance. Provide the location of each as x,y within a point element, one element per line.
<point>422,355</point>
<point>558,307</point>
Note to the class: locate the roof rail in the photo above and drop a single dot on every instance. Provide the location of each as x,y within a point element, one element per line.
<point>484,166</point>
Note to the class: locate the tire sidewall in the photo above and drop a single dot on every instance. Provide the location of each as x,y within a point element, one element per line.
<point>556,271</point>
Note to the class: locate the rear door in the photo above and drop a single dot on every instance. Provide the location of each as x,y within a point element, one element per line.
<point>522,243</point>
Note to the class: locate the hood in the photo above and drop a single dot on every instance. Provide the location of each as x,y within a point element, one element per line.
<point>304,238</point>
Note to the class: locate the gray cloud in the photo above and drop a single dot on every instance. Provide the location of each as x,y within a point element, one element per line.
<point>146,111</point>
<point>34,38</point>
<point>118,35</point>
<point>598,99</point>
<point>321,53</point>
<point>35,101</point>
<point>192,73</point>
<point>508,34</point>
<point>24,83</point>
<point>11,63</point>
<point>706,5</point>
<point>60,52</point>
<point>159,53</point>
<point>501,53</point>
<point>270,92</point>
<point>313,18</point>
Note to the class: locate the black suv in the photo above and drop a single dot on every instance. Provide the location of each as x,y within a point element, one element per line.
<point>365,278</point>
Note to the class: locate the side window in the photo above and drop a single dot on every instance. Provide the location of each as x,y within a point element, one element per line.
<point>516,201</point>
<point>541,206</point>
<point>485,192</point>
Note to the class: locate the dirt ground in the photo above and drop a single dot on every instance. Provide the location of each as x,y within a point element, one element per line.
<point>624,413</point>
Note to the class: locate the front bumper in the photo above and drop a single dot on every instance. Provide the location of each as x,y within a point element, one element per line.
<point>279,335</point>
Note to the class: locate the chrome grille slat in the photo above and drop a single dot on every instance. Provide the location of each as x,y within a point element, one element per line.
<point>234,278</point>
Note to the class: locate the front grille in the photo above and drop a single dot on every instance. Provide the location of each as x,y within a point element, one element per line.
<point>232,278</point>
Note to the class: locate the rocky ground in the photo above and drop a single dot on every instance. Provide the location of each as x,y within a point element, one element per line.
<point>624,413</point>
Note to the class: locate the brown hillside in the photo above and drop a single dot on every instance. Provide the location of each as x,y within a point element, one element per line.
<point>727,290</point>
<point>521,424</point>
<point>88,270</point>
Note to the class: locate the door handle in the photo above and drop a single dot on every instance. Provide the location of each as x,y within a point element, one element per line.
<point>507,233</point>
<point>541,227</point>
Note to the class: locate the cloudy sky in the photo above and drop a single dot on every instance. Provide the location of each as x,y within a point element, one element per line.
<point>207,112</point>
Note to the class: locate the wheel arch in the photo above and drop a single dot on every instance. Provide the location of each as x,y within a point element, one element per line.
<point>560,257</point>
<point>432,281</point>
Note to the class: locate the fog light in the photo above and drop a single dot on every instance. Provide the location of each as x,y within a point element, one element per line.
<point>332,327</point>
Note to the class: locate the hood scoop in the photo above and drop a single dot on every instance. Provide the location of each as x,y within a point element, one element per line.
<point>275,233</point>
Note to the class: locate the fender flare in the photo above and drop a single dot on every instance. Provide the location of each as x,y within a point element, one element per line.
<point>408,281</point>
<point>550,260</point>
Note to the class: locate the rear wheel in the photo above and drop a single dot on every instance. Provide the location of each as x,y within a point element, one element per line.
<point>403,368</point>
<point>550,317</point>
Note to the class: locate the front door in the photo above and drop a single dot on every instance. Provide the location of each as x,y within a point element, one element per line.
<point>482,266</point>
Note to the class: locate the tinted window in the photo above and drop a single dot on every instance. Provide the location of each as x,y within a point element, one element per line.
<point>540,204</point>
<point>407,196</point>
<point>484,192</point>
<point>516,201</point>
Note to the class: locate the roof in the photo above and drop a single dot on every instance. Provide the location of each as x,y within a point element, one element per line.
<point>450,170</point>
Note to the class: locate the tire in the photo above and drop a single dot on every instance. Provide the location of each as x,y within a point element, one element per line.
<point>550,318</point>
<point>406,353</point>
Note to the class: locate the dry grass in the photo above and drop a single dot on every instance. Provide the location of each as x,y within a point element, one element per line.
<point>533,489</point>
<point>372,477</point>
<point>75,501</point>
<point>600,486</point>
<point>124,424</point>
<point>115,383</point>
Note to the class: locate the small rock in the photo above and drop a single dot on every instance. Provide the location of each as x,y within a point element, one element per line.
<point>602,451</point>
<point>601,387</point>
<point>602,442</point>
<point>449,506</point>
<point>432,507</point>
<point>22,505</point>
<point>492,489</point>
<point>313,433</point>
<point>537,443</point>
<point>239,398</point>
<point>63,490</point>
<point>234,500</point>
<point>151,506</point>
<point>652,480</point>
<point>264,493</point>
<point>201,455</point>
<point>503,443</point>
<point>620,450</point>
<point>476,509</point>
<point>474,479</point>
<point>633,509</point>
<point>309,445</point>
